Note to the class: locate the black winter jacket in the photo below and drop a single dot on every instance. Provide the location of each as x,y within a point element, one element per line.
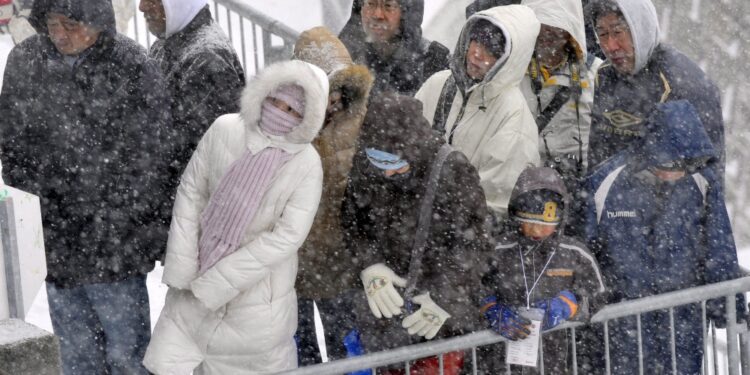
<point>380,216</point>
<point>86,138</point>
<point>415,60</point>
<point>204,81</point>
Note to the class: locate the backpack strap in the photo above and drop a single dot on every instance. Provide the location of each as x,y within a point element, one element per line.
<point>444,104</point>
<point>425,220</point>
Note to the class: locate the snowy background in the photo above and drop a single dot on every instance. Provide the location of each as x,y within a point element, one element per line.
<point>714,33</point>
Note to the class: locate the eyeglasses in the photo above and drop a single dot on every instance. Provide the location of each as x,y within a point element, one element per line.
<point>68,25</point>
<point>388,6</point>
<point>616,32</point>
<point>673,166</point>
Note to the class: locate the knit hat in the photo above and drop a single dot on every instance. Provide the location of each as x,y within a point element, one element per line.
<point>291,94</point>
<point>539,207</point>
<point>490,36</point>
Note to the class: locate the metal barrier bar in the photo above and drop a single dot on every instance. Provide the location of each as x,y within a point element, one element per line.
<point>575,354</point>
<point>672,299</point>
<point>665,301</point>
<point>242,12</point>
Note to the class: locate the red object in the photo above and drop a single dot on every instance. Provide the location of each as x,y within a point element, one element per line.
<point>452,364</point>
<point>6,11</point>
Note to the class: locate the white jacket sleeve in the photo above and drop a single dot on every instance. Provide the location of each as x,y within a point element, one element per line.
<point>252,262</point>
<point>181,262</point>
<point>507,154</point>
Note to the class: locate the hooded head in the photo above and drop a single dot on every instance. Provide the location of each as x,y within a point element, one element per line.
<point>394,125</point>
<point>539,198</point>
<point>95,13</point>
<point>168,17</point>
<point>519,28</point>
<point>627,46</point>
<point>565,15</point>
<point>412,14</point>
<point>674,133</point>
<point>302,86</point>
<point>352,83</point>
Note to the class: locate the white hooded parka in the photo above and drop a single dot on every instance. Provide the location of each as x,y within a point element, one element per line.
<point>240,316</point>
<point>497,131</point>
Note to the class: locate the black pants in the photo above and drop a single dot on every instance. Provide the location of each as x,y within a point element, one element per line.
<point>337,318</point>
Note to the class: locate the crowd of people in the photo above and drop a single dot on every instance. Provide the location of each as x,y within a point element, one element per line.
<point>409,193</point>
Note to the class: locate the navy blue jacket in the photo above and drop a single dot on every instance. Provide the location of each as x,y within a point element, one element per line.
<point>652,237</point>
<point>624,102</point>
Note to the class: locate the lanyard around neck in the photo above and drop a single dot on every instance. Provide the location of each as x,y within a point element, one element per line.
<point>523,269</point>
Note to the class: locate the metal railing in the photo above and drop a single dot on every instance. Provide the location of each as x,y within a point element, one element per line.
<point>258,39</point>
<point>736,354</point>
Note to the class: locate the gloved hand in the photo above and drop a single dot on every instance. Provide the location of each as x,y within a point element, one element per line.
<point>558,309</point>
<point>505,320</point>
<point>382,296</point>
<point>354,348</point>
<point>427,320</point>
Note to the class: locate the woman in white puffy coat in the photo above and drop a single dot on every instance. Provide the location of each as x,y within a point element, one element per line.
<point>231,307</point>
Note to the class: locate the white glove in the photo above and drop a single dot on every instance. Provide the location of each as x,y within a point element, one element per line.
<point>383,298</point>
<point>427,320</point>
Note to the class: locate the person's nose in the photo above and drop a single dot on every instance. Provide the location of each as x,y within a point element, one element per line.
<point>610,45</point>
<point>378,12</point>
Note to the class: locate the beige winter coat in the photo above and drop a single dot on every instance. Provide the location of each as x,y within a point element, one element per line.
<point>560,136</point>
<point>325,267</point>
<point>497,131</point>
<point>240,316</point>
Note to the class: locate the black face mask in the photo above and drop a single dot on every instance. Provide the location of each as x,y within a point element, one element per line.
<point>400,181</point>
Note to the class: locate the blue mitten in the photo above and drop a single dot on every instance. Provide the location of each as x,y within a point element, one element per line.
<point>354,348</point>
<point>558,309</point>
<point>505,320</point>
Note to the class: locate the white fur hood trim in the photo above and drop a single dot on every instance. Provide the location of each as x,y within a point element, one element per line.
<point>311,78</point>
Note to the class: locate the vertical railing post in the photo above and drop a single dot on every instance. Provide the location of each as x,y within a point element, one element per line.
<point>575,352</point>
<point>704,330</point>
<point>640,344</point>
<point>745,353</point>
<point>732,344</point>
<point>607,360</point>
<point>11,259</point>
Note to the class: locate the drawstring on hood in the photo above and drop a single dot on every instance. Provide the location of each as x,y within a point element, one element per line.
<point>179,13</point>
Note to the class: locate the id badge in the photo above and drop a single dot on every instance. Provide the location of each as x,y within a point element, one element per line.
<point>526,352</point>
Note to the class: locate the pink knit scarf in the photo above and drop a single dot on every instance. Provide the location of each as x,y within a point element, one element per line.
<point>236,200</point>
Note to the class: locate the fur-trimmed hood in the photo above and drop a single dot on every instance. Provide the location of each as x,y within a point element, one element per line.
<point>311,78</point>
<point>320,47</point>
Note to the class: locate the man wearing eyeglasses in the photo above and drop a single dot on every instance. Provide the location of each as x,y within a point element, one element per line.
<point>386,36</point>
<point>640,73</point>
<point>83,113</point>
